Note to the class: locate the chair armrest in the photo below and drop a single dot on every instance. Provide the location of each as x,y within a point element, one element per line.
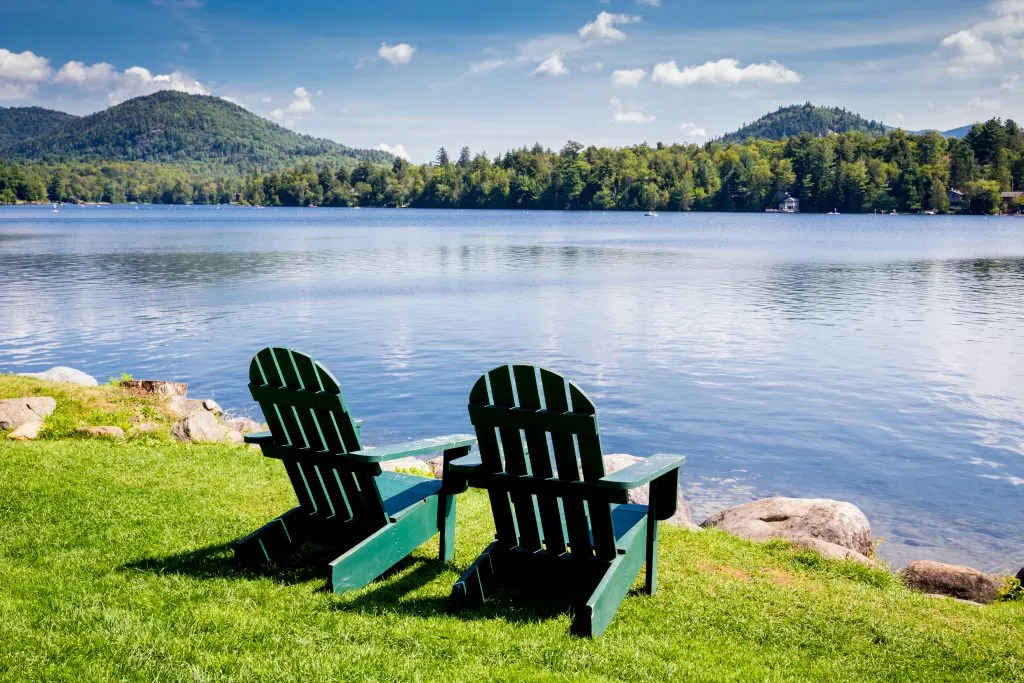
<point>259,438</point>
<point>467,464</point>
<point>421,447</point>
<point>643,472</point>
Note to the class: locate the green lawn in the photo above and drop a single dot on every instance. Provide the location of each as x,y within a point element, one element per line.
<point>115,564</point>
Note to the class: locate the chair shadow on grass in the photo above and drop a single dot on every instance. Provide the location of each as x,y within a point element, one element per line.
<point>388,593</point>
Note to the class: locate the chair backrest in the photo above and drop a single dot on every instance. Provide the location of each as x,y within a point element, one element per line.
<point>534,425</point>
<point>303,406</point>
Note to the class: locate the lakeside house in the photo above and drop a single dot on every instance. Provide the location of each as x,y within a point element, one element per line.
<point>956,199</point>
<point>789,204</point>
<point>1011,201</point>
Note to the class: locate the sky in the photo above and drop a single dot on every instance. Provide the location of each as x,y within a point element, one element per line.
<point>411,76</point>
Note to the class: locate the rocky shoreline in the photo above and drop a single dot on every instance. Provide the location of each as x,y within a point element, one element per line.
<point>833,529</point>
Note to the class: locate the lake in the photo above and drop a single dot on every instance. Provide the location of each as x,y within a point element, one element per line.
<point>875,359</point>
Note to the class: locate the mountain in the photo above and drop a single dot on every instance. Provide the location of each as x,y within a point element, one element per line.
<point>805,118</point>
<point>20,123</point>
<point>957,132</point>
<point>171,128</point>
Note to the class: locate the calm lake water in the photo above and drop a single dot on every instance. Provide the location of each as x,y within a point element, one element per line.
<point>873,359</point>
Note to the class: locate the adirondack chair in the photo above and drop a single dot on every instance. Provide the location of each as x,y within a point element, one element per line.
<point>560,521</point>
<point>374,518</point>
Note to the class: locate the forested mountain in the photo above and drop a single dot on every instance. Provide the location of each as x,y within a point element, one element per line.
<point>21,123</point>
<point>199,132</point>
<point>804,118</point>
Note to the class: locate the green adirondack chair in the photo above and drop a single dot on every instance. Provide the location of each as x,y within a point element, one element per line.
<point>373,518</point>
<point>560,521</point>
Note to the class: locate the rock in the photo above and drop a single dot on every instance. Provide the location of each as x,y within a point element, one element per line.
<point>180,406</point>
<point>236,437</point>
<point>831,550</point>
<point>436,466</point>
<point>146,428</point>
<point>212,406</point>
<point>406,464</point>
<point>200,427</point>
<point>155,387</point>
<point>682,518</point>
<point>15,412</point>
<point>793,519</point>
<point>955,581</point>
<point>62,374</point>
<point>244,425</point>
<point>105,432</point>
<point>27,431</point>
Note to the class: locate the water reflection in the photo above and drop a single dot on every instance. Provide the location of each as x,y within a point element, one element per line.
<point>879,363</point>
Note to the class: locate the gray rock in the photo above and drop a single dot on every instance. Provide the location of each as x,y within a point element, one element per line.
<point>201,427</point>
<point>793,519</point>
<point>27,431</point>
<point>831,550</point>
<point>436,466</point>
<point>965,583</point>
<point>179,406</point>
<point>212,406</point>
<point>108,432</point>
<point>62,374</point>
<point>244,425</point>
<point>15,412</point>
<point>640,496</point>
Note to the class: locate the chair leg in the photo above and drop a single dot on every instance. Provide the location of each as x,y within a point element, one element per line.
<point>593,618</point>
<point>478,582</point>
<point>275,538</point>
<point>651,575</point>
<point>384,548</point>
<point>446,523</point>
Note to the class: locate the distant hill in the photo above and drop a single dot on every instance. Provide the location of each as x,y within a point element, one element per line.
<point>171,128</point>
<point>21,123</point>
<point>957,132</point>
<point>805,118</point>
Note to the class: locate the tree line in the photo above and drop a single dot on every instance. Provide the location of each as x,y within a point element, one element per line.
<point>851,172</point>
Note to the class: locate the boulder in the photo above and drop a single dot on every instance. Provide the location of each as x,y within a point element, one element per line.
<point>964,583</point>
<point>212,406</point>
<point>62,374</point>
<point>793,519</point>
<point>236,437</point>
<point>27,431</point>
<point>15,412</point>
<point>831,550</point>
<point>179,406</point>
<point>406,464</point>
<point>640,496</point>
<point>436,466</point>
<point>103,432</point>
<point>201,427</point>
<point>244,425</point>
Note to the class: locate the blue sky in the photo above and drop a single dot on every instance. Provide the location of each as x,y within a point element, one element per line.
<point>495,75</point>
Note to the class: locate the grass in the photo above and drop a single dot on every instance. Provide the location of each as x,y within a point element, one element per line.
<point>115,564</point>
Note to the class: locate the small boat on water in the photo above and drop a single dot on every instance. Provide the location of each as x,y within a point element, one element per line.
<point>54,209</point>
<point>833,212</point>
<point>652,213</point>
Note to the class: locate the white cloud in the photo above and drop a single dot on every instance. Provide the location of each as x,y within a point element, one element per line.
<point>1010,82</point>
<point>396,54</point>
<point>299,107</point>
<point>978,103</point>
<point>623,115</point>
<point>488,65</point>
<point>723,72</point>
<point>603,27</point>
<point>649,3</point>
<point>627,78</point>
<point>552,66</point>
<point>23,66</point>
<point>990,42</point>
<point>137,81</point>
<point>692,131</point>
<point>17,91</point>
<point>397,150</point>
<point>89,77</point>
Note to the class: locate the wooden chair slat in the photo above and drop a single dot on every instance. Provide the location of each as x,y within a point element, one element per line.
<point>540,459</point>
<point>515,460</point>
<point>490,455</point>
<point>564,446</point>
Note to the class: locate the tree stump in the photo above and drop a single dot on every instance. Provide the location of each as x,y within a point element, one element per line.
<point>155,387</point>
